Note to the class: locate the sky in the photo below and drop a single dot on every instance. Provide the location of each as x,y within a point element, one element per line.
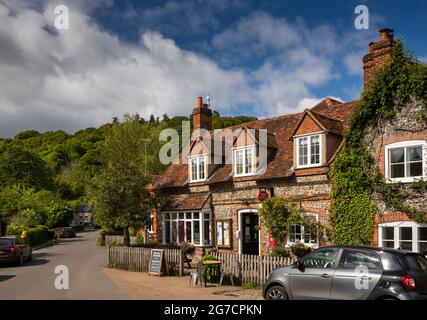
<point>260,58</point>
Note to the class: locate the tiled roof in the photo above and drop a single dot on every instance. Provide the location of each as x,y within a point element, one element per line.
<point>185,202</point>
<point>332,114</point>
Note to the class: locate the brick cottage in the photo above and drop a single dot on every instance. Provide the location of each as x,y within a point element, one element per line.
<point>215,205</point>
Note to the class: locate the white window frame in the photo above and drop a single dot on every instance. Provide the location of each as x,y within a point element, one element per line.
<point>405,145</point>
<point>310,244</point>
<point>244,149</point>
<point>201,221</point>
<point>198,173</point>
<point>296,148</point>
<point>400,224</point>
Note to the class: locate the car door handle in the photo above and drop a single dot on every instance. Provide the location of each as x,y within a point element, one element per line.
<point>325,275</point>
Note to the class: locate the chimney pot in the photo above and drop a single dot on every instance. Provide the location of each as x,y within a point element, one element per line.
<point>199,102</point>
<point>386,34</point>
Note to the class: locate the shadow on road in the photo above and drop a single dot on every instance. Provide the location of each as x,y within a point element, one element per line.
<point>35,262</point>
<point>69,241</point>
<point>6,277</point>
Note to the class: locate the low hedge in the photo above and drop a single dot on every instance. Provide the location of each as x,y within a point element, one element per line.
<point>37,235</point>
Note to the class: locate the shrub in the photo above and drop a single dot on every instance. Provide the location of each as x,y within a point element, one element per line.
<point>300,250</point>
<point>280,252</point>
<point>37,235</point>
<point>139,241</point>
<point>187,247</point>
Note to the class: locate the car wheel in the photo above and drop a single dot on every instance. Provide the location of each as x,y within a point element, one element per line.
<point>30,257</point>
<point>276,293</point>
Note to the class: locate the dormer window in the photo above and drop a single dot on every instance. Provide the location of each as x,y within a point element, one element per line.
<point>404,161</point>
<point>309,151</point>
<point>244,161</point>
<point>197,166</point>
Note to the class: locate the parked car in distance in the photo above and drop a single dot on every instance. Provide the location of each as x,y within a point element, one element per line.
<point>91,226</point>
<point>67,232</point>
<point>351,273</point>
<point>15,250</point>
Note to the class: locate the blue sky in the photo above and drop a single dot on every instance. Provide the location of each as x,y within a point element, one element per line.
<point>260,58</point>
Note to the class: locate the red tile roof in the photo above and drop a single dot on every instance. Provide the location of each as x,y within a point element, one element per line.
<point>185,202</point>
<point>332,114</point>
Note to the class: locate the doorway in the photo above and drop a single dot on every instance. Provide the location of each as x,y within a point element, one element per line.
<point>248,226</point>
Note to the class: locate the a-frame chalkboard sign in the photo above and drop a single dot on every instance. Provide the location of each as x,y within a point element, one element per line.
<point>157,262</point>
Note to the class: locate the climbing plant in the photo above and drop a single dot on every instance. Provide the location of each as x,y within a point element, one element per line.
<point>277,215</point>
<point>354,175</point>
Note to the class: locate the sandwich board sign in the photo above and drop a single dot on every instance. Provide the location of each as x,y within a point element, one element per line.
<point>157,262</point>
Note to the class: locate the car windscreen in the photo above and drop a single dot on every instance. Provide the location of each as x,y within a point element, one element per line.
<point>416,262</point>
<point>6,242</point>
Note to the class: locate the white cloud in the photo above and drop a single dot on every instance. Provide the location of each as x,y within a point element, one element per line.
<point>353,63</point>
<point>85,76</point>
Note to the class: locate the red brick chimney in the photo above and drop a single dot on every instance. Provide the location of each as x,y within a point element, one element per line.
<point>379,54</point>
<point>202,115</point>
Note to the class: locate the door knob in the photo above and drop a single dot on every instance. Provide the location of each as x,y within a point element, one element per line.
<point>325,275</point>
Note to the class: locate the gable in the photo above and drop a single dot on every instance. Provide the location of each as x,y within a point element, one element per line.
<point>245,138</point>
<point>307,125</point>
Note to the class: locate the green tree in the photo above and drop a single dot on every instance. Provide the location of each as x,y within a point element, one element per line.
<point>119,191</point>
<point>18,166</point>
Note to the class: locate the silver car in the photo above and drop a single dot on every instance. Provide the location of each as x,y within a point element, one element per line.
<point>348,272</point>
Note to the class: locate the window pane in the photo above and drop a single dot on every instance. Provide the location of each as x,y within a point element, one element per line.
<point>388,233</point>
<point>322,259</point>
<point>303,151</point>
<point>207,216</point>
<point>406,233</point>
<point>181,231</point>
<point>167,215</point>
<point>188,231</point>
<point>201,168</point>
<point>167,232</point>
<point>188,215</point>
<point>207,232</point>
<point>248,161</point>
<point>226,229</point>
<point>195,215</point>
<point>388,244</point>
<point>415,154</point>
<point>219,234</point>
<point>397,155</point>
<point>315,149</point>
<point>173,215</point>
<point>353,259</point>
<point>174,235</point>
<point>423,247</point>
<point>181,215</point>
<point>397,171</point>
<point>406,245</point>
<point>193,169</point>
<point>239,161</point>
<point>196,233</point>
<point>422,233</point>
<point>415,169</point>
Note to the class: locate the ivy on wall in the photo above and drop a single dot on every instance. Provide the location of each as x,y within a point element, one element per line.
<point>354,175</point>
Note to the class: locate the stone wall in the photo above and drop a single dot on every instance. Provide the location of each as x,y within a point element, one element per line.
<point>408,124</point>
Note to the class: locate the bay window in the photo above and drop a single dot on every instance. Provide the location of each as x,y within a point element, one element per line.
<point>193,227</point>
<point>404,161</point>
<point>244,161</point>
<point>404,235</point>
<point>197,168</point>
<point>309,150</point>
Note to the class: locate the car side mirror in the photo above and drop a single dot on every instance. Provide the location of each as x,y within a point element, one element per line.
<point>300,265</point>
